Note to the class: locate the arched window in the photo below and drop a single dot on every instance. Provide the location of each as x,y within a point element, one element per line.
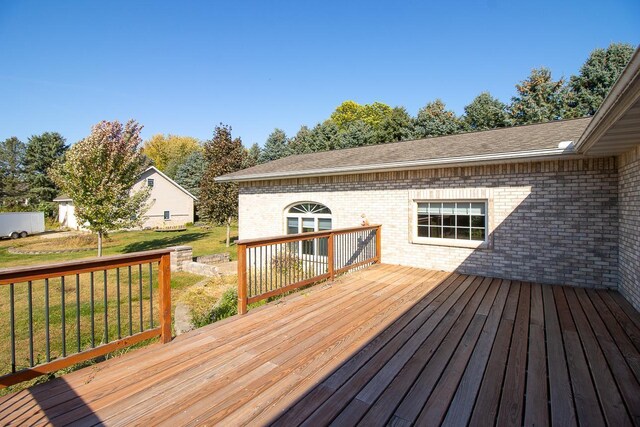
<point>305,218</point>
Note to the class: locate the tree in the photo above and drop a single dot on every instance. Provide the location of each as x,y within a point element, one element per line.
<point>356,134</point>
<point>351,111</point>
<point>99,174</point>
<point>189,173</point>
<point>540,98</point>
<point>253,156</point>
<point>303,141</point>
<point>170,151</point>
<point>486,112</point>
<point>219,200</point>
<point>276,147</point>
<point>397,126</point>
<point>325,136</point>
<point>13,187</point>
<point>42,152</point>
<point>435,120</point>
<point>599,72</point>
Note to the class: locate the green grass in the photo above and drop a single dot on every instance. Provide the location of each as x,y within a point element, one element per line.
<point>203,241</point>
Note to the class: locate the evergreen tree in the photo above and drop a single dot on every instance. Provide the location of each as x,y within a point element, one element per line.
<point>486,112</point>
<point>42,151</point>
<point>253,156</point>
<point>540,98</point>
<point>189,173</point>
<point>13,188</point>
<point>435,120</point>
<point>303,141</point>
<point>397,126</point>
<point>276,147</point>
<point>356,134</point>
<point>219,200</point>
<point>597,75</point>
<point>325,136</point>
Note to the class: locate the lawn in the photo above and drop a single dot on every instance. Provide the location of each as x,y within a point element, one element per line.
<point>204,242</point>
<point>130,305</point>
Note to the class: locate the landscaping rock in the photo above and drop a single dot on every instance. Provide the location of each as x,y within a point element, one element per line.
<point>183,319</point>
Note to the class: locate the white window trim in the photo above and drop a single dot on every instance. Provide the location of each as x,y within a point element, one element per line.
<point>299,216</point>
<point>164,216</point>
<point>471,244</point>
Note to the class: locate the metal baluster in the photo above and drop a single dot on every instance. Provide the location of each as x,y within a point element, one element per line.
<point>30,295</point>
<point>93,317</point>
<point>271,267</point>
<point>250,284</point>
<point>62,313</point>
<point>118,300</point>
<point>78,312</point>
<point>130,305</point>
<point>106,308</point>
<point>12,326</point>
<point>255,272</point>
<point>140,292</point>
<point>279,264</point>
<point>151,295</point>
<point>46,318</point>
<point>261,267</point>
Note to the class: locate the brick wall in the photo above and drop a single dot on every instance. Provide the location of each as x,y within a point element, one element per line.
<point>629,248</point>
<point>550,222</point>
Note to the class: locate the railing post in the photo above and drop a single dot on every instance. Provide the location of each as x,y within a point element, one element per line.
<point>242,279</point>
<point>332,275</point>
<point>379,244</point>
<point>164,281</point>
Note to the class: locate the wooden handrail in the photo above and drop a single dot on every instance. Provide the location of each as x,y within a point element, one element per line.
<point>319,267</point>
<point>20,275</point>
<point>285,238</point>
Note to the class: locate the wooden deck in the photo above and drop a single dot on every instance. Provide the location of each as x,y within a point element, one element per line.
<point>385,345</point>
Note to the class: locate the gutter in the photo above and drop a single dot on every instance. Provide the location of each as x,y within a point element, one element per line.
<point>565,152</point>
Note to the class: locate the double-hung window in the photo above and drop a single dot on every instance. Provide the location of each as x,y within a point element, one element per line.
<point>461,223</point>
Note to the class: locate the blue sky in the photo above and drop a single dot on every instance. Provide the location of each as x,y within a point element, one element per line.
<point>183,66</point>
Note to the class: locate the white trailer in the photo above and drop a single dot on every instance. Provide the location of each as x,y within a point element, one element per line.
<point>21,224</point>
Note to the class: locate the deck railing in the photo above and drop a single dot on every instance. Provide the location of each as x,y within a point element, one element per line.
<point>271,266</point>
<point>57,315</point>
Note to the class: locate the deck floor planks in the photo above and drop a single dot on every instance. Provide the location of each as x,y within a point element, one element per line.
<point>443,348</point>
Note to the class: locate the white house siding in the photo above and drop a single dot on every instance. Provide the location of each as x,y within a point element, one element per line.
<point>629,189</point>
<point>165,196</point>
<point>550,222</point>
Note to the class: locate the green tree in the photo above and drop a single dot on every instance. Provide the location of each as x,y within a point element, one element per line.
<point>435,120</point>
<point>276,147</point>
<point>351,111</point>
<point>253,156</point>
<point>42,152</point>
<point>13,188</point>
<point>486,112</point>
<point>599,72</point>
<point>356,134</point>
<point>168,152</point>
<point>397,126</point>
<point>303,141</point>
<point>219,200</point>
<point>189,173</point>
<point>325,136</point>
<point>99,174</point>
<point>539,99</point>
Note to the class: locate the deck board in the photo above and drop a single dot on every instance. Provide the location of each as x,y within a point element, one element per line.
<point>385,345</point>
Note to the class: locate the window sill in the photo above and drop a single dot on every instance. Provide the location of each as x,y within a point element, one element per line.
<point>472,244</point>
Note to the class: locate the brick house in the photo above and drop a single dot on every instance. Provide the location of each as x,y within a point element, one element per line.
<point>556,202</point>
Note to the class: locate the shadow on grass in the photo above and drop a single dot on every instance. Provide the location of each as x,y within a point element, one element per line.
<point>163,241</point>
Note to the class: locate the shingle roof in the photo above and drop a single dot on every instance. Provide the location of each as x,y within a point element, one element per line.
<point>518,141</point>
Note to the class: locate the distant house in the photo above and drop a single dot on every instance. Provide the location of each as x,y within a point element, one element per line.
<point>556,202</point>
<point>170,204</point>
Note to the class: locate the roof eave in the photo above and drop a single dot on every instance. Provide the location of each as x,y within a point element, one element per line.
<point>624,93</point>
<point>548,154</point>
